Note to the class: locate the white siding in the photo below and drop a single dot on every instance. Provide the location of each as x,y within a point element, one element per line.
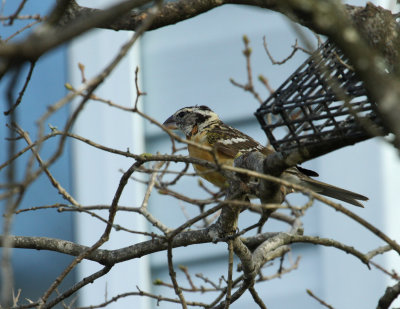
<point>96,173</point>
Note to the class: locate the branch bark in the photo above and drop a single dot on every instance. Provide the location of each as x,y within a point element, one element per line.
<point>391,293</point>
<point>110,257</point>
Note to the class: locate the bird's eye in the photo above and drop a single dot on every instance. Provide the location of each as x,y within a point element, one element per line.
<point>181,114</point>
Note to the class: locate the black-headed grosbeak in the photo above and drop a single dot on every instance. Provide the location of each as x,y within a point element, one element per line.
<point>201,125</point>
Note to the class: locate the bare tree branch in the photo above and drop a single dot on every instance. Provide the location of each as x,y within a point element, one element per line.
<point>78,286</point>
<point>49,37</point>
<point>172,274</point>
<point>323,303</point>
<point>391,293</point>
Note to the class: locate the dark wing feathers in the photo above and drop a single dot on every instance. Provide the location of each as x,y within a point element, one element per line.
<point>333,191</point>
<point>307,171</point>
<point>231,142</point>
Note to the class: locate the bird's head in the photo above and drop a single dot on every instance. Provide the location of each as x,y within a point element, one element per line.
<point>191,119</point>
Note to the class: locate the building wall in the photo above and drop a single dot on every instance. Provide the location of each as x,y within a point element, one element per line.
<point>191,63</point>
<point>45,87</point>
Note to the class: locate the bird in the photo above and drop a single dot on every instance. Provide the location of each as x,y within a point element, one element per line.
<point>203,126</point>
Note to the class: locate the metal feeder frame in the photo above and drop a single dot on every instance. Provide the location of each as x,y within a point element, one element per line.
<point>320,103</point>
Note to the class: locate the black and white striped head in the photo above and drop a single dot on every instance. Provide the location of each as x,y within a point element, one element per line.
<point>191,118</point>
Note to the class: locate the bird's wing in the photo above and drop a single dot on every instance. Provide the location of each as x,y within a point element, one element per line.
<point>231,142</point>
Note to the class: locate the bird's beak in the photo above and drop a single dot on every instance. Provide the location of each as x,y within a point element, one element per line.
<point>170,123</point>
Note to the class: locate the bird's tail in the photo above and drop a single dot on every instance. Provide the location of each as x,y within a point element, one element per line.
<point>334,192</point>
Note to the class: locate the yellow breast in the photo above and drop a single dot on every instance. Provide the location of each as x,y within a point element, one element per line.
<point>208,174</point>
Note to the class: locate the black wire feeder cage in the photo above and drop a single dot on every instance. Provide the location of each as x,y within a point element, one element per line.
<point>321,103</point>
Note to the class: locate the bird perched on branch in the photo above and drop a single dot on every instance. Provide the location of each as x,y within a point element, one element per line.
<point>201,125</point>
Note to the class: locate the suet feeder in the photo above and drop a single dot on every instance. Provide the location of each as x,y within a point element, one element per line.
<point>321,103</point>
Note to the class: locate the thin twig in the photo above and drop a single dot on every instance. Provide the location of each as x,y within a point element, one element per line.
<point>53,181</point>
<point>160,298</point>
<point>21,152</point>
<point>392,274</point>
<point>143,208</point>
<point>172,274</point>
<point>184,269</point>
<point>19,9</point>
<point>81,68</point>
<point>379,250</point>
<point>249,86</point>
<point>79,285</point>
<point>207,280</point>
<point>23,17</point>
<point>28,26</point>
<point>295,48</point>
<point>281,272</point>
<point>319,299</point>
<point>257,299</point>
<point>230,268</point>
